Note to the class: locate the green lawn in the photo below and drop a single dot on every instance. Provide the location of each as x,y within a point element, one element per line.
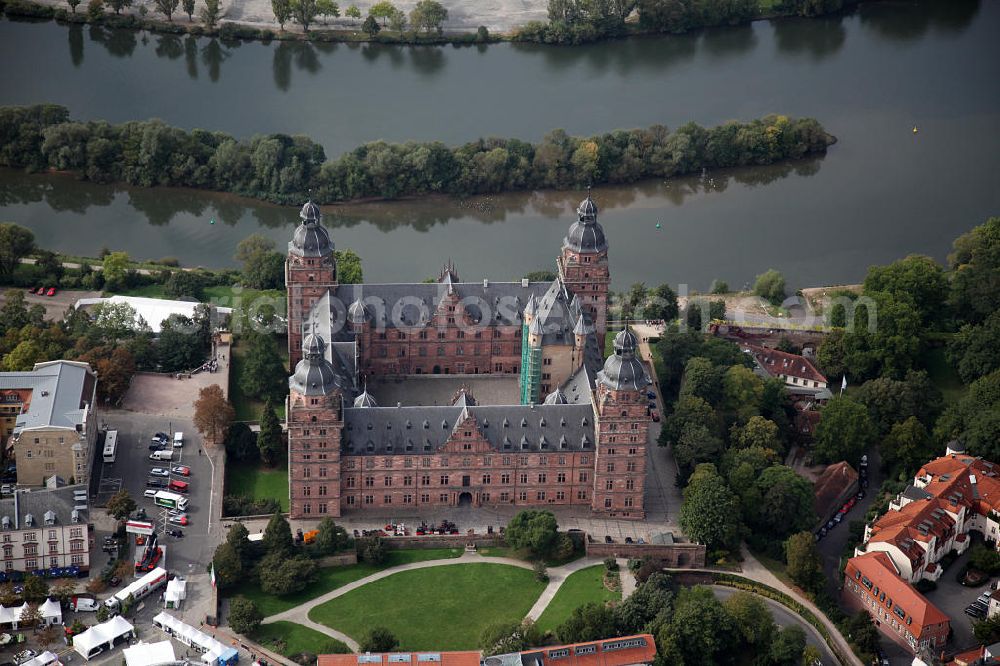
<point>290,639</point>
<point>943,375</point>
<point>148,291</point>
<point>582,587</point>
<point>330,578</point>
<point>441,608</point>
<point>257,482</point>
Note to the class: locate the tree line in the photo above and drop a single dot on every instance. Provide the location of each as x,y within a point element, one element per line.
<point>287,169</point>
<point>580,21</point>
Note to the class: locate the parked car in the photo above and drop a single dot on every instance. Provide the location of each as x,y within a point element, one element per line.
<point>860,496</point>
<point>156,482</point>
<point>51,291</point>
<point>181,520</point>
<point>651,395</point>
<point>160,471</point>
<point>156,445</point>
<point>24,655</point>
<point>628,539</point>
<point>830,524</point>
<point>608,539</point>
<point>40,291</point>
<point>149,493</point>
<point>177,534</point>
<point>7,489</point>
<point>183,470</point>
<point>162,436</point>
<point>655,416</point>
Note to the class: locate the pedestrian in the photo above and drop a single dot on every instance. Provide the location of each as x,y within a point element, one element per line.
<point>199,452</point>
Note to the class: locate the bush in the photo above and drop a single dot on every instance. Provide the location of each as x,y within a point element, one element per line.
<point>541,573</point>
<point>482,34</point>
<point>237,505</point>
<point>610,564</point>
<point>374,550</point>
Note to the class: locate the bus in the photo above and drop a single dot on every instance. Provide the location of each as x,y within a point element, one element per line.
<point>110,446</point>
<point>170,500</point>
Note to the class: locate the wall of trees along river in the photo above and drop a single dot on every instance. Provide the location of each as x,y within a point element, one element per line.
<point>870,77</point>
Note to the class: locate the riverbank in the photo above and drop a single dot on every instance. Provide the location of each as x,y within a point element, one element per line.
<point>289,169</point>
<point>470,22</point>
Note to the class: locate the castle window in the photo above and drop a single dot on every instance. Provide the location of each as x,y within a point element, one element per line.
<point>611,467</point>
<point>486,479</point>
<point>628,502</point>
<point>504,478</point>
<point>629,484</point>
<point>387,499</point>
<point>505,461</point>
<point>607,503</point>
<point>387,481</point>
<point>443,497</point>
<point>523,478</point>
<point>542,478</point>
<point>581,494</point>
<point>561,477</point>
<point>541,495</point>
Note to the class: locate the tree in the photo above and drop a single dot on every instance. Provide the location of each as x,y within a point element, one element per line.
<point>166,7</point>
<point>353,12</point>
<point>188,6</point>
<point>121,505</point>
<point>212,413</point>
<point>987,631</point>
<point>241,443</point>
<point>278,537</point>
<point>374,550</point>
<point>210,13</point>
<point>263,372</point>
<point>227,565</point>
<point>907,446</point>
<point>282,11</point>
<point>702,379</point>
<point>22,357</point>
<point>710,512</point>
<point>891,401</point>
<point>689,410</point>
<point>429,15</point>
<point>119,5</point>
<point>244,616</point>
<point>696,445</point>
<point>382,10</point>
<point>329,538</point>
<point>63,590</point>
<point>861,631</point>
<point>917,278</point>
<point>770,285</point>
<point>589,622</point>
<point>757,432</point>
<point>239,538</point>
<point>975,418</point>
<point>379,639</point>
<point>742,391</point>
<point>182,284</point>
<point>975,263</point>
<point>973,351</point>
<point>182,343</point>
<point>115,265</point>
<point>102,610</point>
<point>533,530</point>
<point>31,616</point>
<point>844,431</point>
<point>663,304</point>
<point>719,287</point>
<point>35,589</point>
<point>269,437</point>
<point>16,242</point>
<point>7,595</point>
<point>370,27</point>
<point>699,632</point>
<point>788,646</point>
<point>305,12</point>
<point>786,502</point>
<point>805,565</point>
<point>397,22</point>
<point>73,5</point>
<point>50,265</point>
<point>327,8</point>
<point>282,575</point>
<point>651,598</point>
<point>752,618</point>
<point>503,637</point>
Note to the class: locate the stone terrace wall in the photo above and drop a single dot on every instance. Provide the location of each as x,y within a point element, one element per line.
<point>675,555</point>
<point>436,541</point>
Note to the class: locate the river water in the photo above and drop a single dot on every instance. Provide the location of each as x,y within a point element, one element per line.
<point>870,77</point>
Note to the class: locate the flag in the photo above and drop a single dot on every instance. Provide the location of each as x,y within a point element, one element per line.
<point>843,384</point>
<point>211,573</point>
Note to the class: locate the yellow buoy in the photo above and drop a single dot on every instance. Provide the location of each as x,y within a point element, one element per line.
<point>915,130</point>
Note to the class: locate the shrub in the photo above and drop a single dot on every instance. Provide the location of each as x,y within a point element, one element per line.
<point>610,564</point>
<point>541,573</point>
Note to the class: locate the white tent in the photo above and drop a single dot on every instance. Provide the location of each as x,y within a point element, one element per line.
<point>44,659</point>
<point>176,593</point>
<point>148,654</point>
<point>51,612</point>
<point>102,636</point>
<point>150,310</point>
<point>188,635</point>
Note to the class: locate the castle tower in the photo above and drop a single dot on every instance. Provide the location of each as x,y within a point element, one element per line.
<point>622,427</point>
<point>315,420</point>
<point>310,271</point>
<point>531,356</point>
<point>583,265</point>
<point>359,320</point>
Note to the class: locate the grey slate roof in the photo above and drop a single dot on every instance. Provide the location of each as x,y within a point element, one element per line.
<point>60,391</point>
<point>311,239</point>
<point>57,503</point>
<point>508,428</point>
<point>321,370</point>
<point>622,370</point>
<point>586,234</point>
<point>914,493</point>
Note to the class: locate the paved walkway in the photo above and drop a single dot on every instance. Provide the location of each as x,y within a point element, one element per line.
<point>300,614</point>
<point>627,579</point>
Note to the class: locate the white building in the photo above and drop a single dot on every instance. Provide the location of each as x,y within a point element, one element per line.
<point>45,529</point>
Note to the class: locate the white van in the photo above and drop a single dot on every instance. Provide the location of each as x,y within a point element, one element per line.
<point>161,455</point>
<point>178,439</point>
<point>84,604</point>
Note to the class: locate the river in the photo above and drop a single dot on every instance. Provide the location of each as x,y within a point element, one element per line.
<point>870,76</point>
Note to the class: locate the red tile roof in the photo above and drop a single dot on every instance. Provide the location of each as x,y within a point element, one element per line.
<point>776,362</point>
<point>879,570</point>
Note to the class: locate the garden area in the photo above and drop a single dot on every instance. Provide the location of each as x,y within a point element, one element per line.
<point>290,639</point>
<point>253,480</point>
<point>446,608</point>
<point>330,578</point>
<point>579,588</point>
<point>249,406</point>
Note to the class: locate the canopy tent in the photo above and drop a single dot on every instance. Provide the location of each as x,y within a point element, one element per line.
<point>102,636</point>
<point>215,653</point>
<point>176,593</point>
<point>149,654</point>
<point>50,611</point>
<point>44,659</point>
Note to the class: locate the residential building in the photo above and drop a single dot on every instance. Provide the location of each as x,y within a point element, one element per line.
<point>798,372</point>
<point>872,583</point>
<point>53,407</point>
<point>578,436</point>
<point>44,529</point>
<point>638,650</point>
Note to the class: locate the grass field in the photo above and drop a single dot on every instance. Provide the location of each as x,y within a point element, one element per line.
<point>257,482</point>
<point>290,639</point>
<point>581,587</point>
<point>441,608</point>
<point>943,375</point>
<point>330,578</point>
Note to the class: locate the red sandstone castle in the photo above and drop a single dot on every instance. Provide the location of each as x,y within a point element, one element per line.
<point>576,433</point>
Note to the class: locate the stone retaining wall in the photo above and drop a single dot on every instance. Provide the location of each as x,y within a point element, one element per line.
<point>690,555</point>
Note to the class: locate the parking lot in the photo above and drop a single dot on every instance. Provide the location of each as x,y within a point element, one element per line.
<point>190,553</point>
<point>952,598</point>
